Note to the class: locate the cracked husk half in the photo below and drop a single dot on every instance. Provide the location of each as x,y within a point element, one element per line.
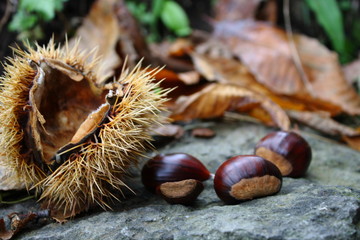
<point>67,134</point>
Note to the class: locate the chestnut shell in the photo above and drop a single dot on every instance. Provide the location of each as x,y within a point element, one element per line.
<point>292,147</point>
<point>172,168</point>
<point>242,167</point>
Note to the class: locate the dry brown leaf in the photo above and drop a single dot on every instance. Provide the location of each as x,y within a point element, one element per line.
<point>265,50</point>
<point>17,222</point>
<point>353,142</point>
<point>232,71</point>
<point>325,74</point>
<point>203,133</point>
<point>324,123</point>
<point>352,71</point>
<point>189,78</point>
<point>180,47</point>
<point>236,10</point>
<point>100,31</point>
<point>169,130</point>
<point>112,31</point>
<point>132,43</point>
<point>213,100</point>
<point>171,80</point>
<point>165,75</point>
<point>162,53</point>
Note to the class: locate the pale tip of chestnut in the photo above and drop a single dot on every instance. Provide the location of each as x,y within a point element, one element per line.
<point>290,152</point>
<point>245,177</point>
<point>183,192</point>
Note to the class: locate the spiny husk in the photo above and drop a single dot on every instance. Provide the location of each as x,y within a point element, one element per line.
<point>15,86</point>
<point>102,165</point>
<point>99,163</point>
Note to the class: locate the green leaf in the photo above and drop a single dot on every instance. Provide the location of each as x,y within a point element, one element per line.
<point>330,18</point>
<point>22,21</point>
<point>46,8</point>
<point>175,18</point>
<point>157,8</point>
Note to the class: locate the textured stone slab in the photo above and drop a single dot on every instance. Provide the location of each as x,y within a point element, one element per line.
<point>302,210</point>
<point>324,205</point>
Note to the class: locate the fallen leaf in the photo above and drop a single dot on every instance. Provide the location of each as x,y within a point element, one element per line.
<point>161,52</point>
<point>169,130</point>
<point>214,99</point>
<point>203,132</point>
<point>236,9</point>
<point>132,44</point>
<point>165,75</point>
<point>323,122</point>
<point>4,233</point>
<point>265,50</point>
<point>352,71</point>
<point>113,32</point>
<point>189,78</point>
<point>228,70</point>
<point>353,142</point>
<point>18,222</point>
<point>180,47</point>
<point>171,80</point>
<point>100,31</point>
<point>164,134</point>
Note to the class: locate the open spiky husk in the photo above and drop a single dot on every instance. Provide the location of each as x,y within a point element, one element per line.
<point>98,163</point>
<point>102,165</point>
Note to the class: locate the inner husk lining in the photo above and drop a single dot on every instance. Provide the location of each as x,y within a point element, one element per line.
<point>64,102</point>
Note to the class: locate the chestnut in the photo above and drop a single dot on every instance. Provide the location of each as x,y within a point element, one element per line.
<point>182,192</point>
<point>245,177</point>
<point>172,167</point>
<point>287,150</point>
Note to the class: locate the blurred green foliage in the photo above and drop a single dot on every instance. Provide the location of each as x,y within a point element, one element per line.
<point>167,12</point>
<point>32,12</point>
<point>343,35</point>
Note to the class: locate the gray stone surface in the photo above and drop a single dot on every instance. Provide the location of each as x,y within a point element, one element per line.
<point>323,205</point>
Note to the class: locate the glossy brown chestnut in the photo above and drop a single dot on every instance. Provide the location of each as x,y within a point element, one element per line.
<point>245,177</point>
<point>287,150</point>
<point>171,168</point>
<point>182,192</point>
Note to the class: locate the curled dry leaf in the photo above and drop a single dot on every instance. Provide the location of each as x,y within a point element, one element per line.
<point>189,78</point>
<point>352,71</point>
<point>323,122</point>
<point>236,10</point>
<point>214,99</point>
<point>113,33</point>
<point>180,47</point>
<point>168,130</point>
<point>265,50</point>
<point>203,132</point>
<point>353,142</point>
<point>100,31</point>
<point>227,70</point>
<point>163,54</point>
<point>17,222</point>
